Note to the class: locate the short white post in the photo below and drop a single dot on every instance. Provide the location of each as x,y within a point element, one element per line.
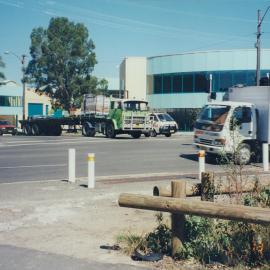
<point>91,170</point>
<point>265,157</point>
<point>201,156</point>
<point>71,165</point>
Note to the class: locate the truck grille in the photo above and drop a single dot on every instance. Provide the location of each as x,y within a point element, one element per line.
<point>205,141</point>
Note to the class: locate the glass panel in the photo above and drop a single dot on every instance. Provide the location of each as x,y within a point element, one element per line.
<point>251,77</point>
<point>166,84</point>
<point>225,81</point>
<point>187,83</point>
<point>239,77</point>
<point>201,82</point>
<point>6,101</point>
<point>157,84</point>
<point>177,83</point>
<point>215,81</point>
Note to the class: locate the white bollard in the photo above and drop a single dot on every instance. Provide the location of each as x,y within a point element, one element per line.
<point>71,165</point>
<point>265,157</point>
<point>201,156</point>
<point>91,170</point>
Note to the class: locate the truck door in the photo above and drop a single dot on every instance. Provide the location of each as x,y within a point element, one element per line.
<point>243,119</point>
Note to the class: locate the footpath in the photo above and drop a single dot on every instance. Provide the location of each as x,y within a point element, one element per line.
<point>59,225</point>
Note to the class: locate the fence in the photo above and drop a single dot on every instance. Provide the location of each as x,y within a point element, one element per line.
<point>178,206</point>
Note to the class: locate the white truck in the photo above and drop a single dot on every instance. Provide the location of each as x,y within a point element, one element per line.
<point>243,121</point>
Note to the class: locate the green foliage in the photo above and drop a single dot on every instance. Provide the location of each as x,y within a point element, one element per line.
<point>63,59</point>
<point>159,241</point>
<point>2,65</point>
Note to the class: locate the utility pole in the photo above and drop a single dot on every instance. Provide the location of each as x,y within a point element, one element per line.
<point>258,45</point>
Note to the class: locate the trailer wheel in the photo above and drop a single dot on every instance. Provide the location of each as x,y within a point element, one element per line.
<point>243,155</point>
<point>35,130</point>
<point>27,130</point>
<point>110,131</point>
<point>56,131</point>
<point>136,134</point>
<point>88,130</point>
<point>153,133</point>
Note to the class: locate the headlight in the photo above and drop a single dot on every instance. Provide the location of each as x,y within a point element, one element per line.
<point>220,141</point>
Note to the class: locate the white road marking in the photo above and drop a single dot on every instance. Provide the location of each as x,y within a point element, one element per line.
<point>34,166</point>
<point>32,143</point>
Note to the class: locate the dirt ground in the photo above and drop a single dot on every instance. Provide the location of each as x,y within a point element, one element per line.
<point>70,219</point>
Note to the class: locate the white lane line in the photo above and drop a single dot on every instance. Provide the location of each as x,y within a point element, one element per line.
<point>88,141</point>
<point>34,166</point>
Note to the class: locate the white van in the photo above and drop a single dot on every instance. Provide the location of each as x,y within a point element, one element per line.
<point>162,123</point>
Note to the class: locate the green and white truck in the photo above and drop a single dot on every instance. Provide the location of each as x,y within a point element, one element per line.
<point>99,114</point>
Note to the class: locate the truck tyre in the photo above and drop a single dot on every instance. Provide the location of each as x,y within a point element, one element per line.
<point>110,131</point>
<point>35,130</point>
<point>88,130</point>
<point>153,133</point>
<point>28,130</point>
<point>56,131</point>
<point>1,132</point>
<point>168,134</point>
<point>243,154</point>
<point>136,134</point>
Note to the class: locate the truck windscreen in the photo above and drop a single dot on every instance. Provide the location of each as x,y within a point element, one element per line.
<point>135,106</point>
<point>212,117</point>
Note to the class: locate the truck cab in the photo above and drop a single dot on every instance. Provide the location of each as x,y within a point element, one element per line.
<point>226,128</point>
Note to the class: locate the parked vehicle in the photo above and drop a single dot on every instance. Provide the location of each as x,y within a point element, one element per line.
<point>243,120</point>
<point>101,114</point>
<point>163,123</point>
<point>7,128</point>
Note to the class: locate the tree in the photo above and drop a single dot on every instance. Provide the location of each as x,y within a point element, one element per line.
<point>62,61</point>
<point>2,65</point>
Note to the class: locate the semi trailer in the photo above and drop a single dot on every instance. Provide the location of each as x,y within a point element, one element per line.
<point>99,114</point>
<point>239,123</point>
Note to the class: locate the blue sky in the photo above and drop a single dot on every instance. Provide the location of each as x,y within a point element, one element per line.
<point>121,28</point>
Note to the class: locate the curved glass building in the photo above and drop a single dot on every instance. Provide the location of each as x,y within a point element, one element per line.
<point>179,83</point>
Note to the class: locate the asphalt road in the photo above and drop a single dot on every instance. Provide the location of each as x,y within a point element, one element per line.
<point>46,158</point>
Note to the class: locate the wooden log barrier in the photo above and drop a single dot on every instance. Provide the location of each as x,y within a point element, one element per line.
<point>220,188</point>
<point>255,215</point>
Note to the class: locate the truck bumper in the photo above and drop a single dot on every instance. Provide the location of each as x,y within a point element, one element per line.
<point>209,148</point>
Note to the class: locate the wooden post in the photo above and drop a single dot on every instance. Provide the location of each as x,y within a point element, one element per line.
<point>207,187</point>
<point>178,220</point>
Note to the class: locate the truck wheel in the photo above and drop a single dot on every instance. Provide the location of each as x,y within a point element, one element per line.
<point>136,135</point>
<point>35,130</point>
<point>243,155</point>
<point>168,134</point>
<point>57,131</point>
<point>88,130</point>
<point>1,132</point>
<point>14,132</point>
<point>147,134</point>
<point>110,131</point>
<point>28,130</point>
<point>153,133</point>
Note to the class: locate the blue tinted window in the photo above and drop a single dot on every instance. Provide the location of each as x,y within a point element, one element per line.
<point>167,84</point>
<point>201,82</point>
<point>239,77</point>
<point>215,81</point>
<point>177,83</point>
<point>225,81</point>
<point>251,77</point>
<point>157,84</point>
<point>187,83</point>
